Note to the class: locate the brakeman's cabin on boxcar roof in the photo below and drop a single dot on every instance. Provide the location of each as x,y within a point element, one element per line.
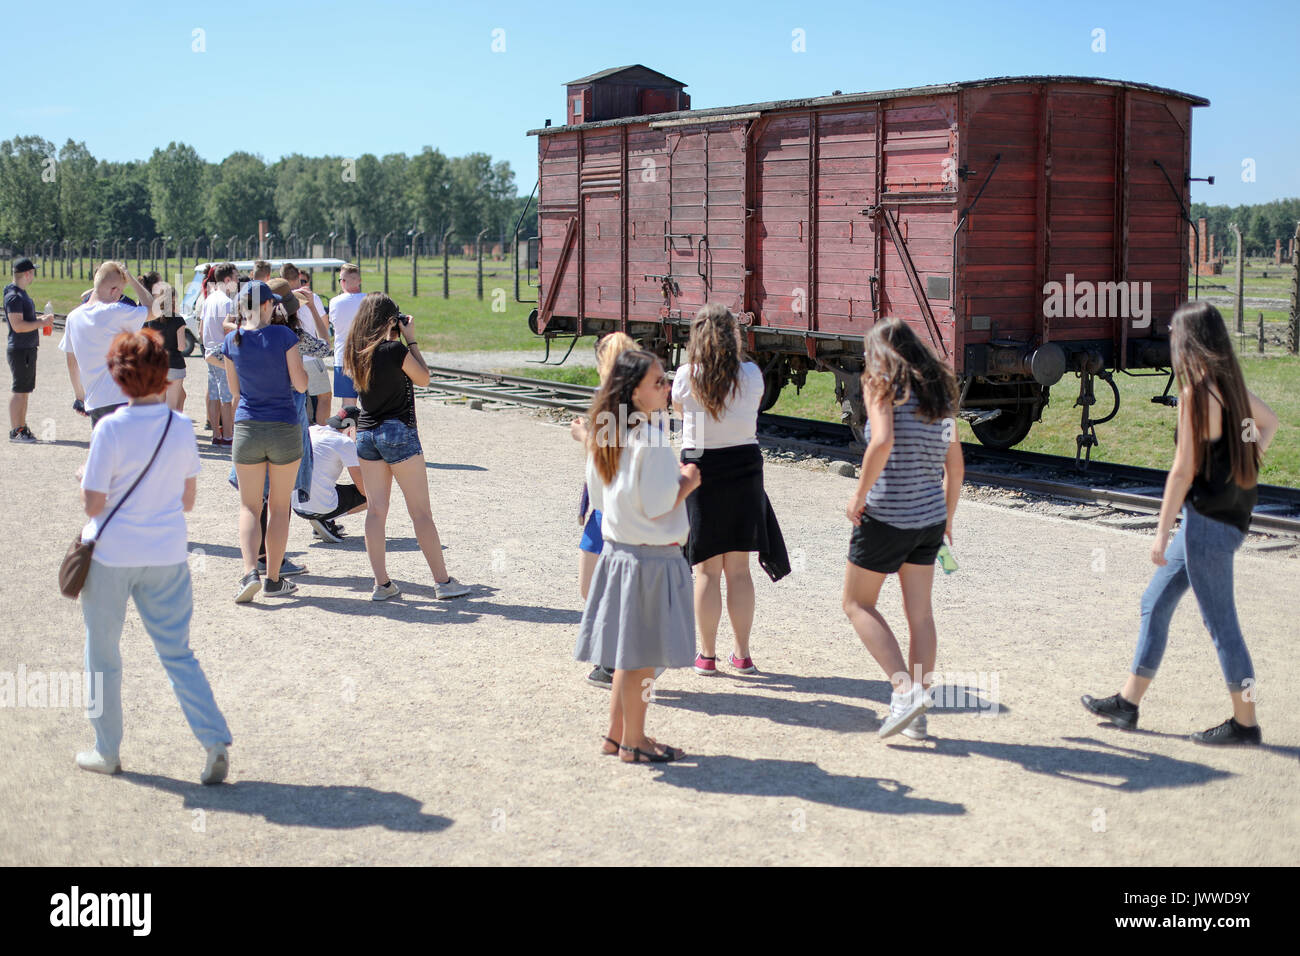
<point>1025,226</point>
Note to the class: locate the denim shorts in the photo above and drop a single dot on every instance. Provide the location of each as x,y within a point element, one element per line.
<point>343,386</point>
<point>392,442</point>
<point>218,384</point>
<point>592,539</point>
<point>279,443</point>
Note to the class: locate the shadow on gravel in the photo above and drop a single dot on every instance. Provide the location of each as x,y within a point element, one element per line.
<point>821,714</point>
<point>299,805</point>
<point>416,604</point>
<point>66,441</point>
<point>452,466</point>
<point>1290,753</point>
<point>802,780</point>
<point>1122,767</point>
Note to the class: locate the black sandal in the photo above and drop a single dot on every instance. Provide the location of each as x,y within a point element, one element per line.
<point>610,740</point>
<point>670,754</point>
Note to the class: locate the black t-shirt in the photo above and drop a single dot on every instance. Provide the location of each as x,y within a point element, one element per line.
<point>17,300</point>
<point>168,326</point>
<point>391,394</point>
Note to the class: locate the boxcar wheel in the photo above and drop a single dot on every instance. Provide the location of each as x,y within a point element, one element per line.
<point>1008,429</point>
<point>772,384</point>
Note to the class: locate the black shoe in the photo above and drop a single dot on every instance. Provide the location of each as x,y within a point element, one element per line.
<point>599,677</point>
<point>1114,708</point>
<point>1230,733</point>
<point>278,588</point>
<point>22,435</point>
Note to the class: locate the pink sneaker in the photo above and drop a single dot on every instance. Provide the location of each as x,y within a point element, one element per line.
<point>745,665</point>
<point>706,666</point>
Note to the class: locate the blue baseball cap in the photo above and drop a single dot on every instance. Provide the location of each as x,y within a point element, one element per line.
<point>255,293</point>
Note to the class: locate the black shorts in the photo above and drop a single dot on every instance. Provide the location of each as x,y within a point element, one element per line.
<point>882,548</point>
<point>349,498</point>
<point>22,365</point>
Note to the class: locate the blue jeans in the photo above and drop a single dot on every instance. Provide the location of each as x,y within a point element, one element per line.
<point>1200,557</point>
<point>165,601</point>
<point>392,441</point>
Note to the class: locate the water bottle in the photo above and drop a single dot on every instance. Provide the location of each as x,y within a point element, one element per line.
<point>946,559</point>
<point>49,310</point>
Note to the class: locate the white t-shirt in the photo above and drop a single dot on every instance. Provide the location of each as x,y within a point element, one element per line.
<point>90,331</point>
<point>308,321</point>
<point>637,506</point>
<point>343,309</point>
<point>149,530</point>
<point>331,451</point>
<point>216,307</point>
<point>739,422</point>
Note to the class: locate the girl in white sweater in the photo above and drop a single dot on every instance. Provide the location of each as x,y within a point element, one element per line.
<point>639,615</point>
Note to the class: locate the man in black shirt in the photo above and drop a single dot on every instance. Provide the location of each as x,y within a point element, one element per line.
<point>24,340</point>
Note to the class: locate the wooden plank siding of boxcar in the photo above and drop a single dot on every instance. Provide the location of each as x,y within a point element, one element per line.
<point>1081,202</point>
<point>919,149</point>
<point>778,228</point>
<point>1157,239</point>
<point>558,205</point>
<point>845,242</point>
<point>647,180</point>
<point>601,189</point>
<point>999,271</point>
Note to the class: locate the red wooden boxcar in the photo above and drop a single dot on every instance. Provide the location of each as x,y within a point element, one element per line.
<point>1024,226</point>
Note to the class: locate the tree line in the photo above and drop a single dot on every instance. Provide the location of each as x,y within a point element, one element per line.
<point>68,194</point>
<point>1261,225</point>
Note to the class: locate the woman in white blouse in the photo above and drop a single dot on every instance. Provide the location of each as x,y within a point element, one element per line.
<point>638,616</point>
<point>717,393</point>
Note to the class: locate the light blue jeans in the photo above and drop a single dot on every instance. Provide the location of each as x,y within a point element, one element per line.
<point>1200,557</point>
<point>165,601</point>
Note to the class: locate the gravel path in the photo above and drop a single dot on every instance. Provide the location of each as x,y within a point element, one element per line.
<point>418,732</point>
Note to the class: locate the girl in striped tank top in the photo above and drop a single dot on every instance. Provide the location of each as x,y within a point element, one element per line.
<point>902,509</point>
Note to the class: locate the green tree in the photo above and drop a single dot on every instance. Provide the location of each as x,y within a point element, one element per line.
<point>175,190</point>
<point>123,201</point>
<point>242,194</point>
<point>429,191</point>
<point>79,182</point>
<point>29,192</point>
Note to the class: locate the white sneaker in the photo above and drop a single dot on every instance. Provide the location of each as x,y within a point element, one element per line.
<point>96,762</point>
<point>217,766</point>
<point>383,592</point>
<point>451,588</point>
<point>916,730</point>
<point>905,708</point>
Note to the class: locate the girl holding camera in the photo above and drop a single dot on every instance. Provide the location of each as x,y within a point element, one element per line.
<point>381,358</point>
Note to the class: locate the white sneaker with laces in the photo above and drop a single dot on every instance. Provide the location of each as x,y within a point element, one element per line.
<point>383,592</point>
<point>96,762</point>
<point>905,708</point>
<point>917,729</point>
<point>451,588</point>
<point>217,765</point>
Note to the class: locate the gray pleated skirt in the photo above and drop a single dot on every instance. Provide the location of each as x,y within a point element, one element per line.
<point>640,611</point>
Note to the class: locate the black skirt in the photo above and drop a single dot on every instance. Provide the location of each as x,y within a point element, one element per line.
<point>730,511</point>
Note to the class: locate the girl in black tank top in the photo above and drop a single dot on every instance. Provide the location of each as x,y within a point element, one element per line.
<point>1213,483</point>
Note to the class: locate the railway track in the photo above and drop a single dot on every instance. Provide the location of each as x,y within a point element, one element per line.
<point>1125,488</point>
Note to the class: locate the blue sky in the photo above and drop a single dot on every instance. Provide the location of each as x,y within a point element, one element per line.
<point>384,76</point>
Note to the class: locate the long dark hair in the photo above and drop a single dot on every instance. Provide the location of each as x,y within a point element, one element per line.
<point>376,317</point>
<point>715,355</point>
<point>899,365</point>
<point>1203,358</point>
<point>605,443</point>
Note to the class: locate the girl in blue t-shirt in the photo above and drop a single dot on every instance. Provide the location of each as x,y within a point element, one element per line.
<point>264,369</point>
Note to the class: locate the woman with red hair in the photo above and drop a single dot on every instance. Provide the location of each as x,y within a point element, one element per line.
<point>139,481</point>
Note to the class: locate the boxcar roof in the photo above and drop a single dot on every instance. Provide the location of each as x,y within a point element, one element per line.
<point>846,98</point>
<point>612,71</point>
